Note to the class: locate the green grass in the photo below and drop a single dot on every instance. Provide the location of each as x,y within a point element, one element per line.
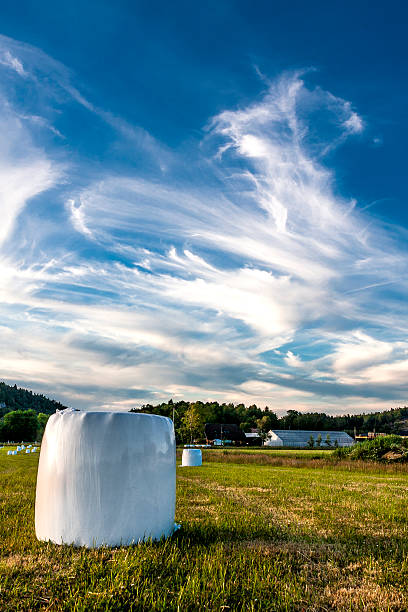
<point>278,452</point>
<point>260,531</point>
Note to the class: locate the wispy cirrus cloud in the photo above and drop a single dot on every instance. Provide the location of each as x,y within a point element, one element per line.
<point>8,60</point>
<point>246,279</point>
<point>25,170</point>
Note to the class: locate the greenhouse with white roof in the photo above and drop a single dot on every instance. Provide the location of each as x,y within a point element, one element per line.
<point>291,438</point>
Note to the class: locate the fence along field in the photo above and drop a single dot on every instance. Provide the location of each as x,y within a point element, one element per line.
<point>260,530</point>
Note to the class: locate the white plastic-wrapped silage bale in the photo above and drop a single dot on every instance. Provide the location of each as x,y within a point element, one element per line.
<point>106,478</point>
<point>191,457</point>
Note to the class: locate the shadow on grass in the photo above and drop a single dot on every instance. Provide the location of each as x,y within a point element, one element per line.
<point>348,546</point>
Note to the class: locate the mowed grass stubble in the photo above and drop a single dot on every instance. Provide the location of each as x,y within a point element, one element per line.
<point>260,530</point>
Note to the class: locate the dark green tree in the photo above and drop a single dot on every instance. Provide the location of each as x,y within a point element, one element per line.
<point>41,423</point>
<point>20,425</point>
<point>290,420</point>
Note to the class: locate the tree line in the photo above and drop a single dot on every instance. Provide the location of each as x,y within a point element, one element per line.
<point>22,426</point>
<point>190,418</point>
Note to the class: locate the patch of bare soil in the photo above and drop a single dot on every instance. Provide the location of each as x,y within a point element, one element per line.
<point>393,456</point>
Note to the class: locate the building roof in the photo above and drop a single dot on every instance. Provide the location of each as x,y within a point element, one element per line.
<point>301,437</point>
<point>224,431</point>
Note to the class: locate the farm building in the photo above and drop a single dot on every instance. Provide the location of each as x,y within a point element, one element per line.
<point>253,438</point>
<point>228,433</point>
<point>303,439</point>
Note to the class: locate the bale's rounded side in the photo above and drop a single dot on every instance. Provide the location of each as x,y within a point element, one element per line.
<point>106,478</point>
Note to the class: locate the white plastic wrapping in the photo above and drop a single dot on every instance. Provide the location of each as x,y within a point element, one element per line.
<point>191,457</point>
<point>106,478</point>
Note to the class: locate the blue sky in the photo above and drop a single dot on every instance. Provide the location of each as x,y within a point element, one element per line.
<point>205,202</point>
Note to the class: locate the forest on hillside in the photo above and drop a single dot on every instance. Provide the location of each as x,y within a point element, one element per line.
<point>14,398</point>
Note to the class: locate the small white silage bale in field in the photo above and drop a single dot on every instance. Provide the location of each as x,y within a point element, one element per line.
<point>191,457</point>
<point>112,477</point>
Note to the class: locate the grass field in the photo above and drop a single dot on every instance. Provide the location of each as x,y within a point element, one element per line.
<point>260,530</point>
<point>275,452</point>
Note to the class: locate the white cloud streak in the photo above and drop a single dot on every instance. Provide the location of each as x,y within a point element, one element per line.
<point>25,171</point>
<point>190,289</point>
<point>7,59</point>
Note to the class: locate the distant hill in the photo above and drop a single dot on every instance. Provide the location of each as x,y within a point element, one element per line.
<point>14,398</point>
